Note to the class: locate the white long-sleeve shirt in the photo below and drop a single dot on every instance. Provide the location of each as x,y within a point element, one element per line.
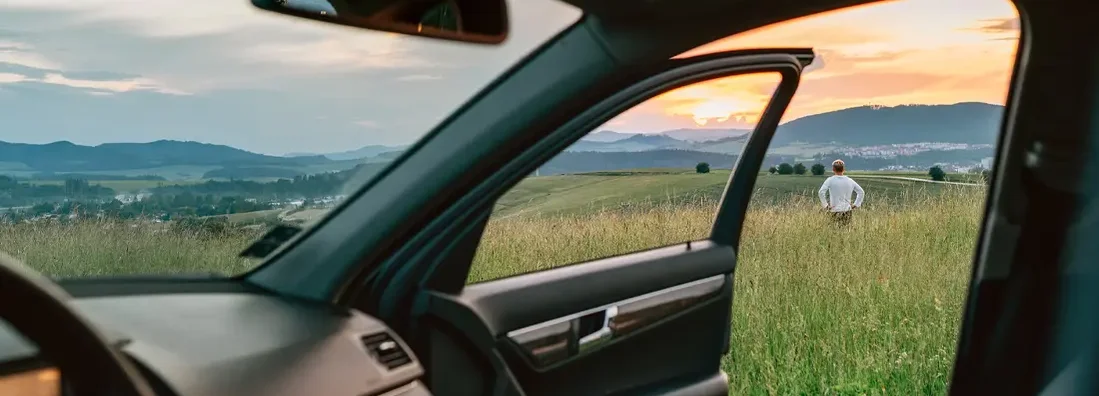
<point>838,190</point>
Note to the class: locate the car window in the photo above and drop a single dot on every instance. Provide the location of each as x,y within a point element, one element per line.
<point>140,138</point>
<point>650,177</point>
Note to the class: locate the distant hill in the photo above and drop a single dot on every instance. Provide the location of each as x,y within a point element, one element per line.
<point>970,122</point>
<point>703,135</point>
<point>682,134</point>
<point>69,157</point>
<point>606,136</point>
<point>973,123</point>
<point>364,152</point>
<point>638,142</point>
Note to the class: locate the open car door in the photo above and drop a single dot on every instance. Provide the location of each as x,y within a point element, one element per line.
<point>648,322</point>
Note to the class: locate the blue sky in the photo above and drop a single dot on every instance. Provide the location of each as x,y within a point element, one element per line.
<point>98,71</point>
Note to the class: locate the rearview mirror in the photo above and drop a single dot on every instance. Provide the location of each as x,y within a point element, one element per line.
<point>472,21</point>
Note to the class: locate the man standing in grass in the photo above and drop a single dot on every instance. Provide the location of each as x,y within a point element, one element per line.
<point>838,189</point>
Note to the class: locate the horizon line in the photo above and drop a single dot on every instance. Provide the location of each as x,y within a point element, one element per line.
<point>411,143</point>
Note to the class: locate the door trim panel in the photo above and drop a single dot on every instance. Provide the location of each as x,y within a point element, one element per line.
<point>505,304</point>
<point>559,340</point>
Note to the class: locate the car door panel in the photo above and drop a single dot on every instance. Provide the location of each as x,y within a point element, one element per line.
<point>673,313</point>
<point>568,290</point>
<point>649,322</point>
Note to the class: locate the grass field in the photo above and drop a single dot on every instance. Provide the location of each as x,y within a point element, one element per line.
<point>873,309</point>
<point>950,177</point>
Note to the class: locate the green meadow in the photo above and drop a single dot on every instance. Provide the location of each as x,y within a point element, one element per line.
<point>870,309</point>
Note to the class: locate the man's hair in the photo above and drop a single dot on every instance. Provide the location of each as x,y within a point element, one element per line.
<point>837,166</point>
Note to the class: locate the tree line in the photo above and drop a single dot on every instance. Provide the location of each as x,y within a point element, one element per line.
<point>936,172</point>
<point>156,206</point>
<point>796,169</point>
<point>14,193</point>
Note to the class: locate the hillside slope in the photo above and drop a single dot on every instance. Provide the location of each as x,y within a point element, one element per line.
<point>972,123</point>
<point>69,157</point>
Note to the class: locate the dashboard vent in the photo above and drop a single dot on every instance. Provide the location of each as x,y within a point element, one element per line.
<point>386,350</point>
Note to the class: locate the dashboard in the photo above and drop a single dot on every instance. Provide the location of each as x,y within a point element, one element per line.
<point>42,381</point>
<point>234,343</point>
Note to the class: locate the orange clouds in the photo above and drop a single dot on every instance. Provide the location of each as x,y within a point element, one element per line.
<point>728,102</point>
<point>1000,26</point>
<point>889,53</point>
<point>737,98</point>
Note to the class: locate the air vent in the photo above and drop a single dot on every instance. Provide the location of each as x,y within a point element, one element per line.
<point>388,352</point>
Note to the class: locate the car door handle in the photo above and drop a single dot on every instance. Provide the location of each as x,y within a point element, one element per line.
<point>601,336</point>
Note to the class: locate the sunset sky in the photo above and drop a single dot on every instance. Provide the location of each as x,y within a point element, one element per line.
<point>222,72</point>
<point>890,53</point>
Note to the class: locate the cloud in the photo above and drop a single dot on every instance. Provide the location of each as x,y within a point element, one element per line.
<point>21,54</point>
<point>136,84</point>
<point>376,52</point>
<point>866,85</point>
<point>419,77</point>
<point>11,78</point>
<point>897,52</point>
<point>837,61</point>
<point>998,25</point>
<point>255,79</point>
<point>799,33</point>
<point>153,19</point>
<point>98,81</point>
<point>999,28</point>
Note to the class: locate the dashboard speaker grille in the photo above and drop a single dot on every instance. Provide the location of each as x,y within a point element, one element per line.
<point>386,350</point>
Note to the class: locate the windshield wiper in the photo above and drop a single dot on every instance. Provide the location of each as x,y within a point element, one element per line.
<point>270,241</point>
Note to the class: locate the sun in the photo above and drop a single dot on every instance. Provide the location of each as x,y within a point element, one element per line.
<point>717,110</point>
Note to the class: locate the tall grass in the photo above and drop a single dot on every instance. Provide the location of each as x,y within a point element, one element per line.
<point>109,248</point>
<point>872,308</point>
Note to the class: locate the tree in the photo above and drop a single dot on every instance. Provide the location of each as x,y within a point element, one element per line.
<point>799,168</point>
<point>702,167</point>
<point>785,169</point>
<point>817,169</point>
<point>772,170</point>
<point>937,173</point>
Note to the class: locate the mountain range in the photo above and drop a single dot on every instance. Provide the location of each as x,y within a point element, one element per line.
<point>972,123</point>
<point>65,156</point>
<point>684,134</point>
<point>359,153</point>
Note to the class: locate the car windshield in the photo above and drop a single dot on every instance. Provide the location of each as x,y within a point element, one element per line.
<point>153,138</point>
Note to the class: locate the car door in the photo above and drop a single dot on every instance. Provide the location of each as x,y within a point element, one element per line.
<point>652,321</point>
<point>1029,324</point>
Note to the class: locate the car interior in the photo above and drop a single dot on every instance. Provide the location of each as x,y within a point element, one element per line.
<point>373,300</point>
